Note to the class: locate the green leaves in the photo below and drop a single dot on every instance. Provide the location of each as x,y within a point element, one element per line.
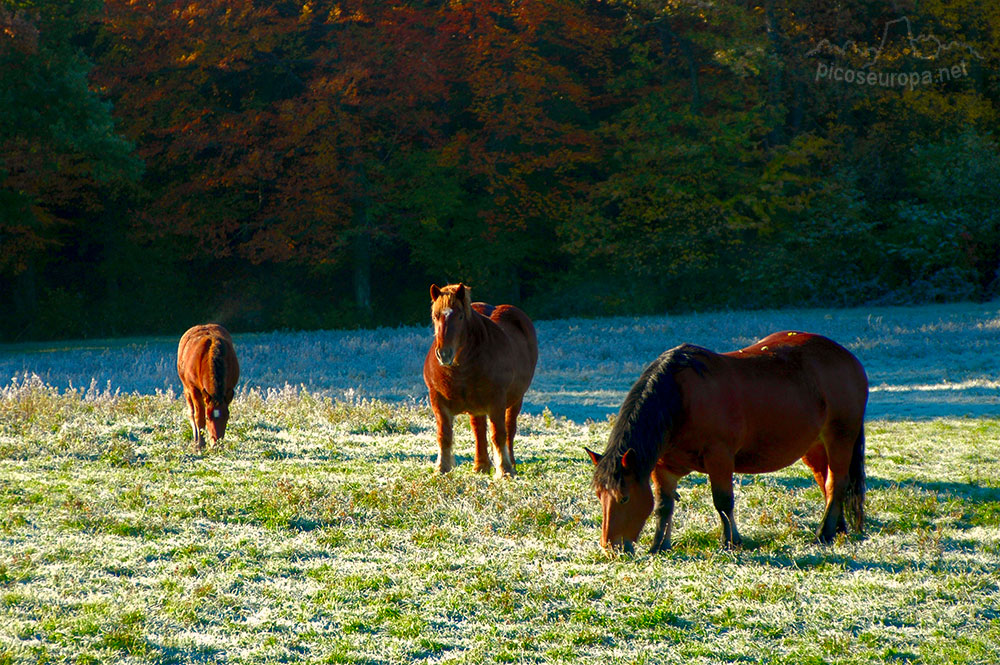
<point>59,151</point>
<point>638,155</point>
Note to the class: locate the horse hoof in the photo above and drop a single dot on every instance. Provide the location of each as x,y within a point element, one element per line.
<point>484,468</point>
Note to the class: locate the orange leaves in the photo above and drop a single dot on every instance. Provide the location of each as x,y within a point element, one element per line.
<point>18,32</point>
<point>280,130</point>
<point>527,91</point>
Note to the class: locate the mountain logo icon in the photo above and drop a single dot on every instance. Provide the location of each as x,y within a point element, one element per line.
<point>925,46</point>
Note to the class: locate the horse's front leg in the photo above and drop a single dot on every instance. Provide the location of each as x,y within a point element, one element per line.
<point>446,437</point>
<point>664,491</point>
<point>482,458</point>
<point>505,466</point>
<point>192,401</point>
<point>720,467</point>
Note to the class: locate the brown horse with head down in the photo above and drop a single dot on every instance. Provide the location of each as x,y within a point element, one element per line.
<point>755,410</point>
<point>207,366</point>
<point>481,363</point>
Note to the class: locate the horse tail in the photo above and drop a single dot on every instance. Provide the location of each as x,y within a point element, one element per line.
<point>217,354</point>
<point>854,501</point>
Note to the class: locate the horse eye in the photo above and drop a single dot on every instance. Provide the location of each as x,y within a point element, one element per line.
<point>623,500</point>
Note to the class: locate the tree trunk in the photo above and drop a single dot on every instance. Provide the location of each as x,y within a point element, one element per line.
<point>361,244</point>
<point>667,39</point>
<point>363,270</point>
<point>25,299</point>
<point>774,84</point>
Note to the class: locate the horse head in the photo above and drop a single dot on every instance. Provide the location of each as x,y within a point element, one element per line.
<point>217,412</point>
<point>451,310</point>
<point>626,501</point>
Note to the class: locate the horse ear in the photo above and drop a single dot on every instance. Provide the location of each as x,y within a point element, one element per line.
<point>462,292</point>
<point>627,459</point>
<point>435,292</point>
<point>594,457</point>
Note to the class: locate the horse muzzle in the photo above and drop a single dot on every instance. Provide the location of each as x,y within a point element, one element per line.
<point>445,357</point>
<point>620,546</point>
<point>216,425</point>
<point>217,432</point>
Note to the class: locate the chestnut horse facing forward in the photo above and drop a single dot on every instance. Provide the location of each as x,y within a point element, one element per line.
<point>755,410</point>
<point>481,363</point>
<point>207,366</point>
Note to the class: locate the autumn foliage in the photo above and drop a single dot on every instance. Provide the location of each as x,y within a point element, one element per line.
<point>317,164</point>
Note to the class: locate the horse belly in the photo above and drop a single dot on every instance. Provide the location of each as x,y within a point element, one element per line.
<point>770,455</point>
<point>776,438</point>
<point>779,422</point>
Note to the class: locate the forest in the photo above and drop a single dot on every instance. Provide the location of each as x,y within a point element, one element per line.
<point>316,164</point>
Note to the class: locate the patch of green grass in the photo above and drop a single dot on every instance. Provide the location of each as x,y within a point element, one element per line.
<point>319,533</point>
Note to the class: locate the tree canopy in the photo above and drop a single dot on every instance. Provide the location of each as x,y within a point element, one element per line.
<point>318,164</point>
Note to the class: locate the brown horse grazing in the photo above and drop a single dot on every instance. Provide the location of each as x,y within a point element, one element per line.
<point>755,410</point>
<point>481,363</point>
<point>207,365</point>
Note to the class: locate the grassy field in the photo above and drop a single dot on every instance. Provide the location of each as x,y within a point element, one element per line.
<point>318,534</point>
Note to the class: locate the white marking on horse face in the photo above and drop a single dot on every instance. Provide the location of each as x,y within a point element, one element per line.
<point>446,312</point>
<point>216,413</point>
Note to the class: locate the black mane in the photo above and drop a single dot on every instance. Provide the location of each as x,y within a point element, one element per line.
<point>653,407</point>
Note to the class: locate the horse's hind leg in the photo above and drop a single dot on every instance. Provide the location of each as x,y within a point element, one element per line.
<point>816,460</point>
<point>482,458</point>
<point>505,465</point>
<point>837,478</point>
<point>833,517</point>
<point>510,420</point>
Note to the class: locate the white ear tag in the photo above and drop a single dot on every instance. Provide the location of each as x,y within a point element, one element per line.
<point>215,413</point>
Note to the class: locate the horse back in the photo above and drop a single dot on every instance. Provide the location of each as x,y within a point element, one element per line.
<point>774,399</point>
<point>810,362</point>
<point>484,308</point>
<point>811,366</point>
<point>521,333</point>
<point>196,366</point>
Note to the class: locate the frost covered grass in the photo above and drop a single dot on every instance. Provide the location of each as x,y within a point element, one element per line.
<point>318,533</point>
<point>930,361</point>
